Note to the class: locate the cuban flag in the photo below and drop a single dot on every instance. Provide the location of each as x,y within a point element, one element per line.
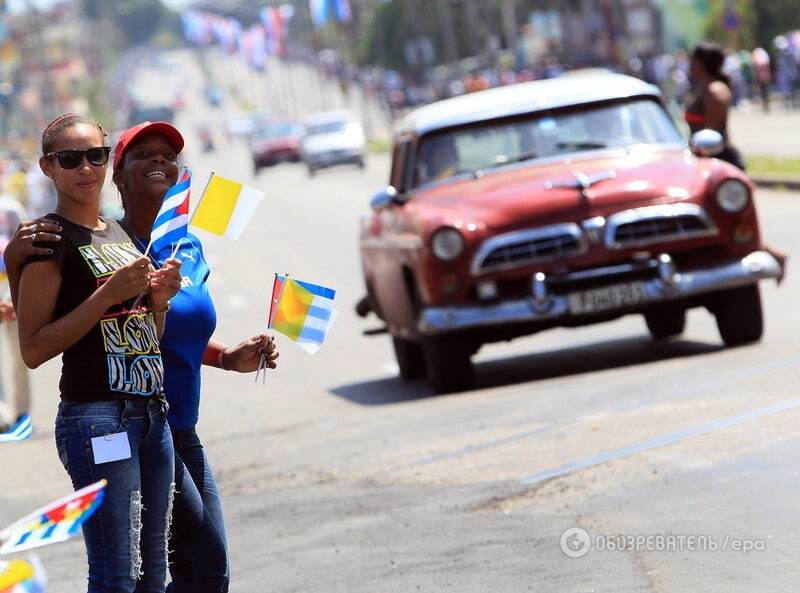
<point>172,220</point>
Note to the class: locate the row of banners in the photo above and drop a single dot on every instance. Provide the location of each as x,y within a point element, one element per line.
<point>266,38</point>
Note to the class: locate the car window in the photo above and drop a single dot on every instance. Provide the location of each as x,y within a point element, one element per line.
<point>494,143</point>
<point>278,131</point>
<point>326,128</point>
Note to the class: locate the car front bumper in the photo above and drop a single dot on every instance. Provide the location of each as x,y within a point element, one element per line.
<point>669,286</point>
<point>334,157</point>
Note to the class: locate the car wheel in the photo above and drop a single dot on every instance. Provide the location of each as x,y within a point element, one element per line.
<point>360,163</point>
<point>410,359</point>
<point>449,365</point>
<point>256,169</point>
<point>311,171</point>
<point>739,316</point>
<point>665,323</point>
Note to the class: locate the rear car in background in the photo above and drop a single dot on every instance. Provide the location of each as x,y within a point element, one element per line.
<point>141,113</point>
<point>275,143</point>
<point>332,138</point>
<point>555,203</point>
<point>243,125</point>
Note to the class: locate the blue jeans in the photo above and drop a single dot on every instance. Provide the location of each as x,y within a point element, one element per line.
<point>198,554</point>
<point>126,539</point>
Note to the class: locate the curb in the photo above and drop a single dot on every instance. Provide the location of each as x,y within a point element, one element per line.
<point>777,183</point>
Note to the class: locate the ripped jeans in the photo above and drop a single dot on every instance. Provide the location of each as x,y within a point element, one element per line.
<point>126,539</point>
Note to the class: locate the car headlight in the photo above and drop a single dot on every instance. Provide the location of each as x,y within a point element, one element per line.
<point>447,244</point>
<point>732,196</point>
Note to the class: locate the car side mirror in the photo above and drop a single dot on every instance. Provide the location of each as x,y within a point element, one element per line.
<point>707,142</point>
<point>384,198</point>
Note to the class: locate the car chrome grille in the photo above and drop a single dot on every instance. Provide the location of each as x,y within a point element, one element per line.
<point>657,224</point>
<point>523,248</point>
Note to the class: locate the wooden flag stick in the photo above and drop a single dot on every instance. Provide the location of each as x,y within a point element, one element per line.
<point>205,189</point>
<point>262,363</point>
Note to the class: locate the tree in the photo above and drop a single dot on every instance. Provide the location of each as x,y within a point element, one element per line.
<point>775,17</point>
<point>137,20</point>
<point>732,23</point>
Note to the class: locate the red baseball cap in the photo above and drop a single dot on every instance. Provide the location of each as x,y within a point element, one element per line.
<point>127,137</point>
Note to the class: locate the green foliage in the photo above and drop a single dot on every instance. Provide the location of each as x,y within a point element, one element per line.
<point>137,20</point>
<point>775,17</point>
<point>743,36</point>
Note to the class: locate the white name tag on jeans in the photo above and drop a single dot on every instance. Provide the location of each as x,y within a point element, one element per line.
<point>111,447</point>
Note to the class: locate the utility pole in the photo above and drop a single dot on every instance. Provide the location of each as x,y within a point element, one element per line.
<point>509,17</point>
<point>448,30</point>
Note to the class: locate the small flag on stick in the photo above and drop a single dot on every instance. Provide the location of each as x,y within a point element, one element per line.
<point>302,311</point>
<point>172,221</point>
<point>226,207</point>
<point>19,576</point>
<point>53,523</point>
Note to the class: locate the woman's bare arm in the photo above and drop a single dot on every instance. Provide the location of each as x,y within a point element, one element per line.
<point>42,338</point>
<point>716,103</point>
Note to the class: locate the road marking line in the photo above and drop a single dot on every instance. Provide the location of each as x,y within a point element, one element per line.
<point>661,441</point>
<point>518,436</point>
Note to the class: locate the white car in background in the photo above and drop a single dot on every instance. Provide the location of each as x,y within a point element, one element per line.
<point>332,138</point>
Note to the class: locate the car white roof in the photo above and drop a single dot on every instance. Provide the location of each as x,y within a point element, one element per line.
<point>329,116</point>
<point>574,88</point>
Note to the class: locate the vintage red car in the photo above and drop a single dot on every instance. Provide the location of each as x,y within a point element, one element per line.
<point>561,202</point>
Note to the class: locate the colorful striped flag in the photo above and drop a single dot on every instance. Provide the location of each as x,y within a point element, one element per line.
<point>302,311</point>
<point>172,221</point>
<point>53,523</point>
<point>19,576</point>
<point>22,430</point>
<point>226,207</point>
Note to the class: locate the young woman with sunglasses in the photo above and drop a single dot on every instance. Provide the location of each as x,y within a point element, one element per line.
<point>74,298</point>
<point>145,167</point>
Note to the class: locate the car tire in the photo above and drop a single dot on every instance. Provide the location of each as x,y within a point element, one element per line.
<point>449,365</point>
<point>311,171</point>
<point>361,164</point>
<point>739,316</point>
<point>410,359</point>
<point>665,323</point>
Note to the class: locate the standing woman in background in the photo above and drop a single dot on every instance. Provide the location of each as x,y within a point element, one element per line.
<point>75,299</point>
<point>710,99</point>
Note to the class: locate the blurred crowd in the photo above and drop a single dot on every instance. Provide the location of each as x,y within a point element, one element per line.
<point>768,76</point>
<point>22,181</point>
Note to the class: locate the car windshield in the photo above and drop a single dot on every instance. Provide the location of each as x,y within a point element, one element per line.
<point>495,143</point>
<point>278,131</point>
<point>327,127</point>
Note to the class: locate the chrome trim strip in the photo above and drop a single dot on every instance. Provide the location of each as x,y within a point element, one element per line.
<point>411,243</point>
<point>654,213</point>
<point>529,235</point>
<point>755,266</point>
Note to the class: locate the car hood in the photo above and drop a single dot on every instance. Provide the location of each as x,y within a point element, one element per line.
<point>542,194</point>
<point>332,141</point>
<point>278,143</point>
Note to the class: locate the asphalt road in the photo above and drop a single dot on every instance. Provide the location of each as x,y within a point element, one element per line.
<point>337,477</point>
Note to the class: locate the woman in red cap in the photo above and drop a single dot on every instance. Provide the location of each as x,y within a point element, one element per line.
<point>75,297</point>
<point>145,167</point>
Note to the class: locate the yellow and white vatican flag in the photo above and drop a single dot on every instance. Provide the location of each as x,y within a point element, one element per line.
<point>226,207</point>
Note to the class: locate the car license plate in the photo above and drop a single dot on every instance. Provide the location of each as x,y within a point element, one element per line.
<point>607,299</point>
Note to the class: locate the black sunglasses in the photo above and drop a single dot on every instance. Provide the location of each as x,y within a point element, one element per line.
<point>71,159</point>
